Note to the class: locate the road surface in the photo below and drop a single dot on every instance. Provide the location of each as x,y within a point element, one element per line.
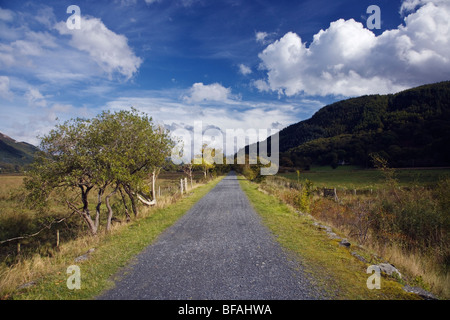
<point>219,250</point>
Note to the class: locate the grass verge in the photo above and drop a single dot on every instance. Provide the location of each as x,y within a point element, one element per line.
<point>333,267</point>
<point>112,252</point>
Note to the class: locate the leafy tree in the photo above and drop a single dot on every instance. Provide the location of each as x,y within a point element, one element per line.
<point>66,162</point>
<point>113,151</point>
<point>206,160</point>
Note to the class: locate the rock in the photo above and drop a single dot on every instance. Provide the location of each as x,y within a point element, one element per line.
<point>85,256</point>
<point>82,258</point>
<point>389,269</point>
<point>421,292</point>
<point>26,285</point>
<point>344,243</point>
<point>333,235</point>
<point>357,256</point>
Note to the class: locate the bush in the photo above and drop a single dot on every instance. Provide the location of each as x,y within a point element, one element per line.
<point>302,200</point>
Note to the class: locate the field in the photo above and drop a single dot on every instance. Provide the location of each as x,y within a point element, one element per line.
<point>409,225</point>
<point>16,219</point>
<point>38,257</point>
<point>404,219</point>
<point>351,177</point>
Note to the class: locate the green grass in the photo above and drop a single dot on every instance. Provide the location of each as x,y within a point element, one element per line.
<point>113,252</point>
<point>331,266</point>
<point>350,177</point>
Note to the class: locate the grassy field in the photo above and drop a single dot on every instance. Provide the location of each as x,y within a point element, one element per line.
<point>45,266</point>
<point>331,266</point>
<point>351,177</point>
<point>405,221</point>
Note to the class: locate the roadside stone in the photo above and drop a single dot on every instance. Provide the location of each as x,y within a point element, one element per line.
<point>419,291</point>
<point>333,236</point>
<point>85,256</point>
<point>357,256</point>
<point>389,269</point>
<point>26,285</point>
<point>344,243</point>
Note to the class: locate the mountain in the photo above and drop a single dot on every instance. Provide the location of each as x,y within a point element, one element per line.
<point>409,128</point>
<point>14,155</point>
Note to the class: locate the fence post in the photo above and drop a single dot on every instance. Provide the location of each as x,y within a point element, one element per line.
<point>57,238</point>
<point>181,185</point>
<point>185,184</point>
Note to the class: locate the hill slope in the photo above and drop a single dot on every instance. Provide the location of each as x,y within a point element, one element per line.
<point>13,154</point>
<point>410,128</point>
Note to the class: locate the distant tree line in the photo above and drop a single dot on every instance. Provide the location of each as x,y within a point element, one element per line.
<point>410,128</point>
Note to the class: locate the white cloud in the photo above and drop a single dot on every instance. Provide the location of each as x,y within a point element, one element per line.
<point>152,1</point>
<point>46,16</point>
<point>348,59</point>
<point>35,98</point>
<point>264,37</point>
<point>108,49</point>
<point>6,15</point>
<point>211,92</point>
<point>4,88</point>
<point>244,70</point>
<point>411,5</point>
<point>261,36</point>
<point>167,109</point>
<point>21,52</point>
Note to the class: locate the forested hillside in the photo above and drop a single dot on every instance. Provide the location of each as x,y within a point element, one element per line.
<point>14,155</point>
<point>409,129</point>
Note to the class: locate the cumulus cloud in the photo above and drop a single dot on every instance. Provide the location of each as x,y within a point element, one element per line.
<point>244,70</point>
<point>211,92</point>
<point>108,49</point>
<point>260,36</point>
<point>348,59</point>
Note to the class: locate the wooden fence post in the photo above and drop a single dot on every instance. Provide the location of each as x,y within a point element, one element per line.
<point>181,186</point>
<point>57,238</point>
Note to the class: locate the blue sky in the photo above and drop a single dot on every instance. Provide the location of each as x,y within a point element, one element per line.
<point>230,64</point>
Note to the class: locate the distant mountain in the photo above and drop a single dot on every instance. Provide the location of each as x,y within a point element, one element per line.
<point>13,154</point>
<point>409,128</point>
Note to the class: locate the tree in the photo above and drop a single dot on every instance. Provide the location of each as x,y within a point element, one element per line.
<point>66,162</point>
<point>135,148</point>
<point>205,161</point>
<point>113,151</point>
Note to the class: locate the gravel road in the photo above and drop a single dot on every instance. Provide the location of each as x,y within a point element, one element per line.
<point>219,250</point>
